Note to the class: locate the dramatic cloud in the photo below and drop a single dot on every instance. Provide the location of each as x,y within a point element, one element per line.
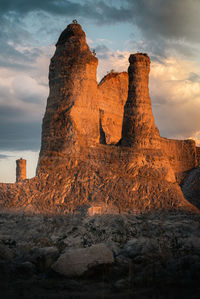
<point>175,92</point>
<point>169,19</point>
<point>23,94</point>
<point>100,11</point>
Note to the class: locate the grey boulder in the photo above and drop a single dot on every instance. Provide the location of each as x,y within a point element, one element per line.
<point>75,262</point>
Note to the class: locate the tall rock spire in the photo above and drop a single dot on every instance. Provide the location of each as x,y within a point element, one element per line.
<point>71,120</point>
<point>139,127</point>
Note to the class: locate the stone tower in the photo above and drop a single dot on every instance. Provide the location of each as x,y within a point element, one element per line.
<point>20,170</point>
<point>139,127</point>
<point>71,120</point>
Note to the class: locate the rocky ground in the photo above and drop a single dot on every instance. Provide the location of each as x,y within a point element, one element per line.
<point>109,256</point>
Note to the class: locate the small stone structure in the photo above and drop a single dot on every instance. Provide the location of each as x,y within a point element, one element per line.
<point>20,170</point>
<point>95,210</point>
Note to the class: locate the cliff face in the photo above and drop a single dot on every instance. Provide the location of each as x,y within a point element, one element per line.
<point>75,171</point>
<point>182,155</point>
<point>113,92</point>
<point>71,120</point>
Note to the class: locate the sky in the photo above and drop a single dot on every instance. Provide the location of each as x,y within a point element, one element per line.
<point>168,30</point>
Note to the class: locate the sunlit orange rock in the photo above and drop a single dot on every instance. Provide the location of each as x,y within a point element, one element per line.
<point>71,120</point>
<point>86,165</point>
<point>113,92</point>
<point>139,127</point>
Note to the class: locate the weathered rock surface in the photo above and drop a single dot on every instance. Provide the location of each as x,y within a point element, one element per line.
<point>113,92</point>
<point>77,174</point>
<point>182,155</point>
<point>75,262</point>
<point>139,129</point>
<point>71,120</point>
<point>145,182</point>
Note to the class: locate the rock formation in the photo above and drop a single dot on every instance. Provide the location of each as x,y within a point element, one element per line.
<point>83,167</point>
<point>182,155</point>
<point>20,170</point>
<point>112,91</point>
<point>71,120</point>
<point>138,124</point>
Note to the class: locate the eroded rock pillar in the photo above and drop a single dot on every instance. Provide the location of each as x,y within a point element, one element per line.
<point>20,170</point>
<point>139,127</point>
<point>71,120</point>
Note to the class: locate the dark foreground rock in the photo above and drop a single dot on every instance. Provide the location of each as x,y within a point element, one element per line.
<point>75,262</point>
<point>118,256</point>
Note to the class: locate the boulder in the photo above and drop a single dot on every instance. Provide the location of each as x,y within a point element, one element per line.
<point>75,262</point>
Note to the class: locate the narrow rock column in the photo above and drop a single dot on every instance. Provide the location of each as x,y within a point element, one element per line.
<point>139,127</point>
<point>71,120</point>
<point>20,170</point>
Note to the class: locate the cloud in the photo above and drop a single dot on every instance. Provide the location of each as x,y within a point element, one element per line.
<point>23,96</point>
<point>175,93</point>
<point>2,156</point>
<point>101,11</point>
<point>169,19</point>
<point>109,59</point>
<point>155,18</point>
<point>20,136</point>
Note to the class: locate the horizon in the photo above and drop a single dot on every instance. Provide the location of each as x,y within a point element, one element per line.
<point>114,30</point>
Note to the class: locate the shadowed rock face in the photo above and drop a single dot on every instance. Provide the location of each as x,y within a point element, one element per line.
<point>71,120</point>
<point>138,124</point>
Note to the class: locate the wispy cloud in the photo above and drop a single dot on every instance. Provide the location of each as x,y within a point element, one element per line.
<point>3,156</point>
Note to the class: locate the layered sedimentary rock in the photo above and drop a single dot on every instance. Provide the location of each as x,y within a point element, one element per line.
<point>182,155</point>
<point>113,92</point>
<point>71,120</point>
<point>75,172</point>
<point>139,127</point>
